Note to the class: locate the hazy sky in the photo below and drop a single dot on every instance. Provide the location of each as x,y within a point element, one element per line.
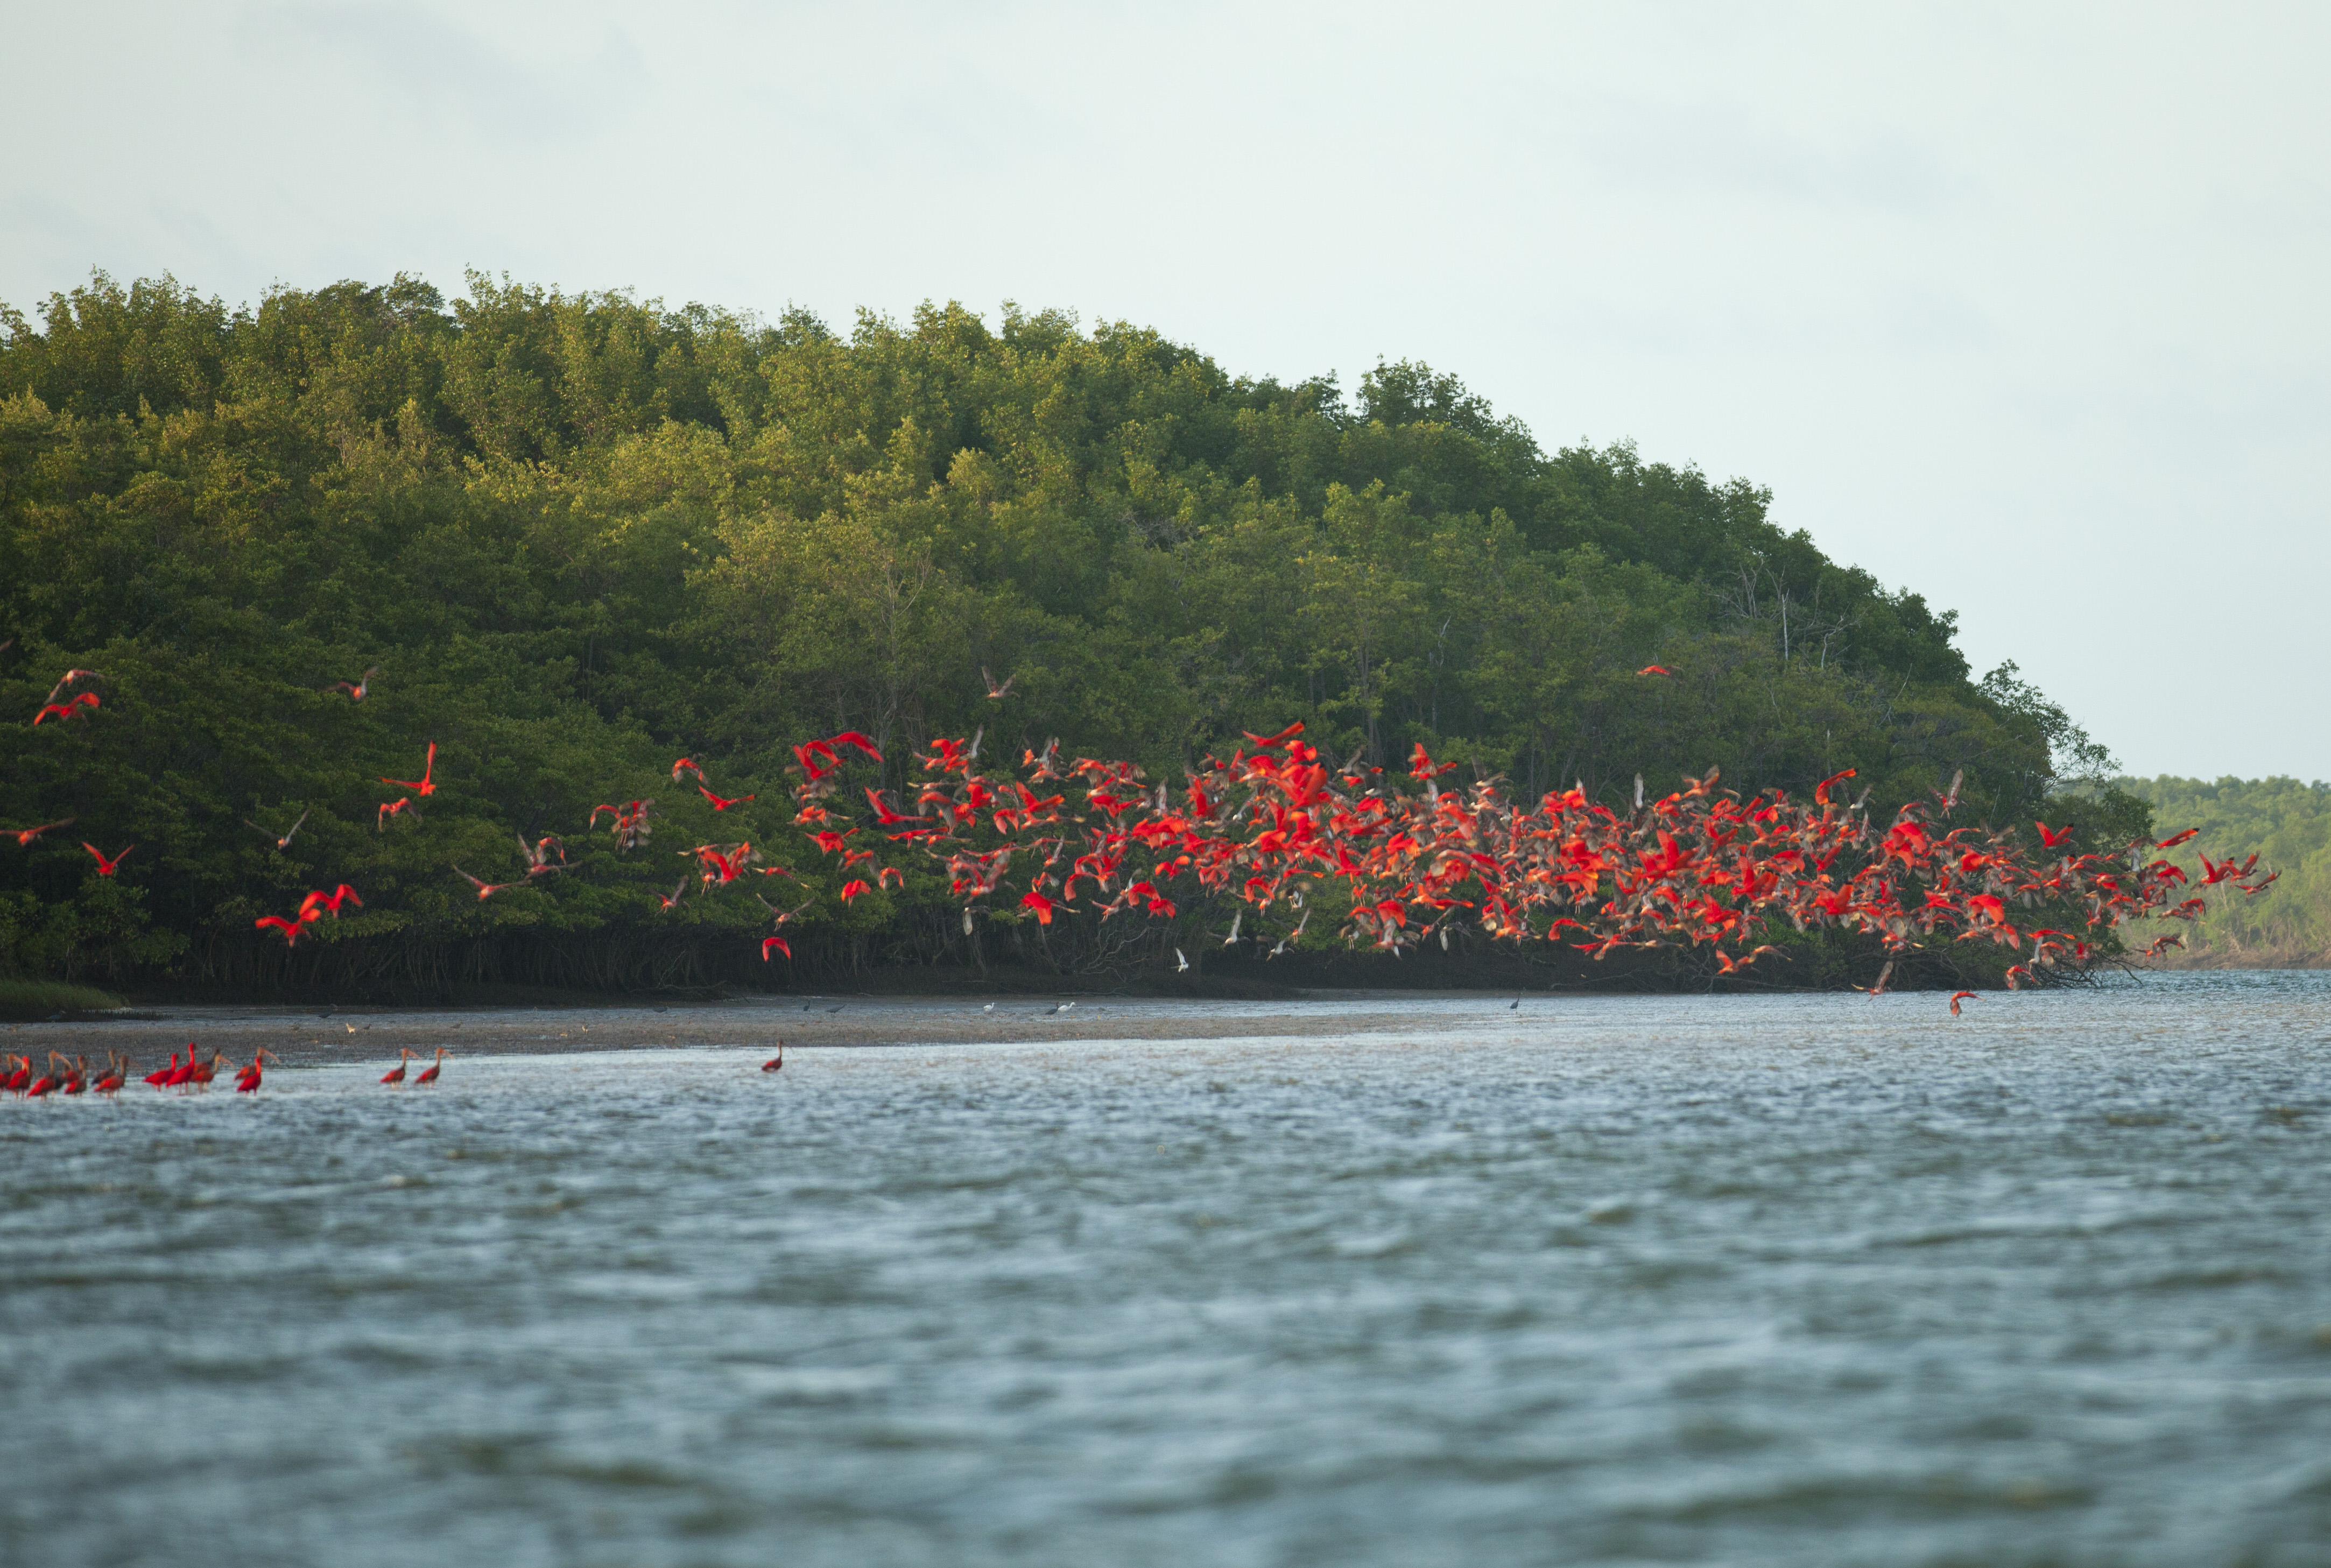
<point>2022,307</point>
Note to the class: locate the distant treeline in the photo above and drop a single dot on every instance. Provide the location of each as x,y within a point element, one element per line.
<point>2288,825</point>
<point>579,535</point>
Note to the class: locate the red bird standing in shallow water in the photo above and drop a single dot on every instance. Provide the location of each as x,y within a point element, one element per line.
<point>429,1073</point>
<point>777,1062</point>
<point>396,1074</point>
<point>247,1080</point>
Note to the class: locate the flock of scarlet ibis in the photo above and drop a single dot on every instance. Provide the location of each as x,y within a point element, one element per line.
<point>71,1075</point>
<point>1276,831</point>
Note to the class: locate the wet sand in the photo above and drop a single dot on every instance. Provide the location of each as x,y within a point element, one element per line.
<point>308,1036</point>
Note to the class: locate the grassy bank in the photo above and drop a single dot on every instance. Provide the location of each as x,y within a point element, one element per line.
<point>30,1001</point>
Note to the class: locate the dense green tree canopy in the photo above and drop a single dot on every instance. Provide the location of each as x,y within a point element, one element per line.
<point>581,533</point>
<point>2288,825</point>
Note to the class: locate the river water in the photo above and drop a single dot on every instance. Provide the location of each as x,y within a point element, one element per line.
<point>1742,1280</point>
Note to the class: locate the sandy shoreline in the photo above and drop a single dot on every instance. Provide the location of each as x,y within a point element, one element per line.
<point>307,1036</point>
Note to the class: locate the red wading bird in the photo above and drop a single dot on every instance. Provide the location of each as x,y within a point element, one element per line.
<point>537,858</point>
<point>331,901</point>
<point>396,1074</point>
<point>68,677</point>
<point>106,868</point>
<point>25,836</point>
<point>777,1062</point>
<point>1957,997</point>
<point>247,1080</point>
<point>429,1073</point>
<point>357,687</point>
<point>631,828</point>
<point>1655,670</point>
<point>720,806</point>
<point>79,706</point>
<point>283,842</point>
<point>420,786</point>
<point>486,889</point>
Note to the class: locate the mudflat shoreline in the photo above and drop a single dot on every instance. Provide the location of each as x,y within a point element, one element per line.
<point>309,1036</point>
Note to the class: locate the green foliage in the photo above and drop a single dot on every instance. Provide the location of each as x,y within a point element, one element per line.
<point>26,1001</point>
<point>582,534</point>
<point>2288,825</point>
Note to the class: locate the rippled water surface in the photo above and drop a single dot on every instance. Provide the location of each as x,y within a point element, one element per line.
<point>1784,1281</point>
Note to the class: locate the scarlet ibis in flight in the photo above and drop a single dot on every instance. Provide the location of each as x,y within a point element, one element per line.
<point>421,787</point>
<point>288,930</point>
<point>25,836</point>
<point>106,868</point>
<point>357,687</point>
<point>343,894</point>
<point>68,677</point>
<point>485,889</point>
<point>721,805</point>
<point>284,842</point>
<point>78,708</point>
<point>996,693</point>
<point>1655,670</point>
<point>1957,997</point>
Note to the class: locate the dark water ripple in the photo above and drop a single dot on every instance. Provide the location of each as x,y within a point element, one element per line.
<point>1745,1281</point>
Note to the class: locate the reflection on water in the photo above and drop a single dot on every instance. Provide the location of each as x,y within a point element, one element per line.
<point>1740,1280</point>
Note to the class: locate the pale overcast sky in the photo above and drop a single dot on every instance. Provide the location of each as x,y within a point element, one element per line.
<point>2022,307</point>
